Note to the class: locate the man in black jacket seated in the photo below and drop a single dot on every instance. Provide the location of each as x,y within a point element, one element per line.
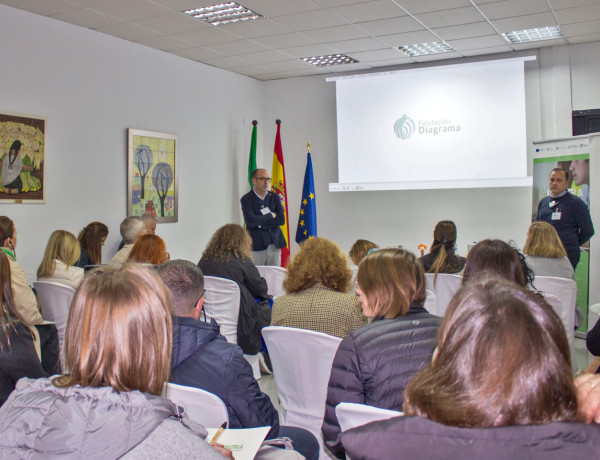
<point>203,358</point>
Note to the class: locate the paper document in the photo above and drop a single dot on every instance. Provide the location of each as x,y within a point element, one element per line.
<point>243,442</point>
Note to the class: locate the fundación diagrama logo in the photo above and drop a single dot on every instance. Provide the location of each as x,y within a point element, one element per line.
<point>404,127</point>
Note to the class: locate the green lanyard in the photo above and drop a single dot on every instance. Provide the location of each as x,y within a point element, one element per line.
<point>8,253</point>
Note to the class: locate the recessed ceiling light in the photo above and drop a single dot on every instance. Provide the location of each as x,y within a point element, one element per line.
<point>332,59</point>
<point>424,49</point>
<point>532,35</point>
<point>223,13</point>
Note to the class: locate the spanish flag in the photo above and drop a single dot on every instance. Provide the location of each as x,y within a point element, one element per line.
<point>278,187</point>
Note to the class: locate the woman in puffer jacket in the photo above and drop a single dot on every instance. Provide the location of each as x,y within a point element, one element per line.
<point>374,363</point>
<point>500,386</point>
<point>118,350</point>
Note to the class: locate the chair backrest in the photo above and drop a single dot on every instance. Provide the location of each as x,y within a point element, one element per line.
<point>351,415</point>
<point>445,287</point>
<point>55,300</point>
<point>274,277</point>
<point>430,302</point>
<point>301,362</point>
<point>566,290</point>
<point>202,407</point>
<point>222,303</point>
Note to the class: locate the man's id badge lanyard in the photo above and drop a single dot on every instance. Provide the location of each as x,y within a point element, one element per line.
<point>556,214</point>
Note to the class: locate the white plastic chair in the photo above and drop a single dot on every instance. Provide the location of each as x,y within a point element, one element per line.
<point>55,300</point>
<point>301,362</point>
<point>445,287</point>
<point>351,415</point>
<point>222,303</point>
<point>274,277</point>
<point>430,302</point>
<point>566,290</point>
<point>202,407</point>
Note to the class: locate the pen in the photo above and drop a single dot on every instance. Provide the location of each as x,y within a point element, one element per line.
<point>218,433</point>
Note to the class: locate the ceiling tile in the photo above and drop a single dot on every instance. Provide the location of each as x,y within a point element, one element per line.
<point>285,40</point>
<point>172,23</point>
<point>208,35</point>
<point>378,55</point>
<point>427,6</point>
<point>582,28</point>
<point>227,62</point>
<point>276,8</point>
<point>165,43</point>
<point>253,29</point>
<point>390,26</point>
<point>250,70</point>
<point>476,29</point>
<point>393,62</point>
<point>512,8</point>
<point>585,38</point>
<point>45,7</point>
<point>362,44</point>
<point>264,57</point>
<point>237,47</point>
<point>85,17</point>
<point>334,3</point>
<point>128,31</point>
<point>369,11</point>
<point>452,17</point>
<point>524,22</point>
<point>130,10</point>
<point>79,2</point>
<point>409,38</point>
<point>310,20</point>
<point>582,14</point>
<point>481,51</point>
<point>290,65</point>
<point>183,5</point>
<point>197,53</point>
<point>561,4</point>
<point>309,50</point>
<point>488,41</point>
<point>329,34</point>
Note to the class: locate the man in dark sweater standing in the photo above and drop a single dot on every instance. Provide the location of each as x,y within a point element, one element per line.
<point>568,214</point>
<point>264,215</point>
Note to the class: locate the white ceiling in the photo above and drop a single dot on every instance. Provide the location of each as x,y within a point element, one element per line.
<point>367,30</point>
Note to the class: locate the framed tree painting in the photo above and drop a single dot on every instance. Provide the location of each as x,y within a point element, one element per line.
<point>152,186</point>
<point>22,156</point>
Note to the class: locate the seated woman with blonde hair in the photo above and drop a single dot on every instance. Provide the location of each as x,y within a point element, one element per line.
<point>544,252</point>
<point>59,264</point>
<point>149,249</point>
<point>118,351</point>
<point>499,386</point>
<point>317,282</point>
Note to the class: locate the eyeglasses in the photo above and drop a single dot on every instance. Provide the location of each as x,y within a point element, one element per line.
<point>266,179</point>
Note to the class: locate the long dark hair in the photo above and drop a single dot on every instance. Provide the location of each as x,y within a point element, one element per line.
<point>499,258</point>
<point>90,239</point>
<point>444,239</point>
<point>503,359</point>
<point>9,315</point>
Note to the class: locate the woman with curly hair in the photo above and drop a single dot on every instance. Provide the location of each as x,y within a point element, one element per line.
<point>317,282</point>
<point>91,239</point>
<point>374,363</point>
<point>229,255</point>
<point>149,249</point>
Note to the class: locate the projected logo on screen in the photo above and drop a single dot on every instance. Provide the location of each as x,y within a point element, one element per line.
<point>404,127</point>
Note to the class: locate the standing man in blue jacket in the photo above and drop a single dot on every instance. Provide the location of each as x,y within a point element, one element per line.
<point>264,215</point>
<point>568,214</point>
<point>202,358</point>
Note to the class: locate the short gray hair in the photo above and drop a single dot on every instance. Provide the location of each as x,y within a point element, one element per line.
<point>186,283</point>
<point>131,228</point>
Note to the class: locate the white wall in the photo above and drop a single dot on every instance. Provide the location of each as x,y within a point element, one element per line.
<point>92,87</point>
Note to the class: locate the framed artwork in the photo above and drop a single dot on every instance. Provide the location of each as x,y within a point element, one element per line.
<point>22,155</point>
<point>152,185</point>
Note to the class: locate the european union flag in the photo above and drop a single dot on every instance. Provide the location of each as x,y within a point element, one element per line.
<point>307,222</point>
